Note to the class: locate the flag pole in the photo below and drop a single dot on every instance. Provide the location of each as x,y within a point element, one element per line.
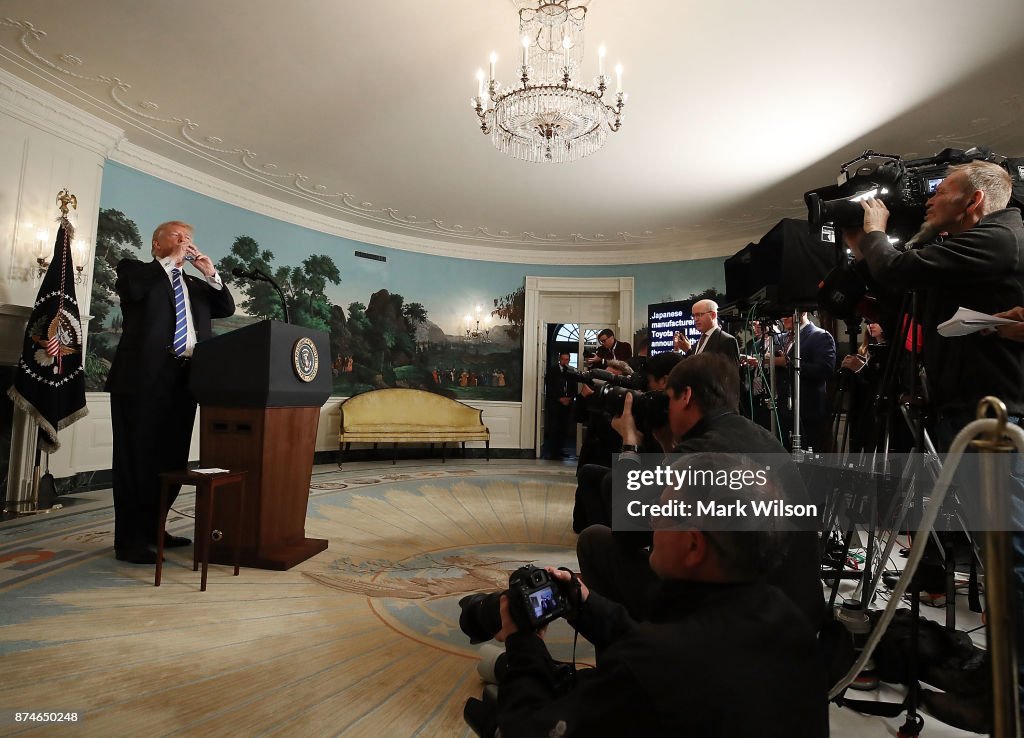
<point>49,384</point>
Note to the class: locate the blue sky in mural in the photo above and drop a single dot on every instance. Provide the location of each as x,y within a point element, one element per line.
<point>448,288</point>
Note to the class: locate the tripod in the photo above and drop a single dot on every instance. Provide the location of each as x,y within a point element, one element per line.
<point>925,465</point>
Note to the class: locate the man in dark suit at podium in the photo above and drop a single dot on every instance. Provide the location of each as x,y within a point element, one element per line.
<point>165,313</point>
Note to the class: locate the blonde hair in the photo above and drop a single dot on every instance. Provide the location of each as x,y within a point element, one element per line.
<point>168,224</point>
<point>865,341</point>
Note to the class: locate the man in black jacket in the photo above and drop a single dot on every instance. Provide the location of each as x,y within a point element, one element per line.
<point>980,265</point>
<point>720,654</point>
<point>610,349</point>
<point>702,394</point>
<point>817,365</point>
<point>165,313</point>
<point>559,391</point>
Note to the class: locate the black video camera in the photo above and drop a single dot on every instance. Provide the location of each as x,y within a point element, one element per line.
<point>904,186</point>
<point>535,598</point>
<point>848,291</point>
<point>650,409</point>
<point>596,378</point>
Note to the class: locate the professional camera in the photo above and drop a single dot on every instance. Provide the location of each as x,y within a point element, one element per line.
<point>848,291</point>
<point>904,186</point>
<point>535,598</point>
<point>650,409</point>
<point>595,378</point>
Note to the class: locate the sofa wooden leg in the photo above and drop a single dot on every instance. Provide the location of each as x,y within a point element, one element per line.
<point>487,443</point>
<point>463,450</point>
<point>444,459</point>
<point>394,453</point>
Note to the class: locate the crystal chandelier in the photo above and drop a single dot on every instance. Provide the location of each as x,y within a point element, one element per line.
<point>549,116</point>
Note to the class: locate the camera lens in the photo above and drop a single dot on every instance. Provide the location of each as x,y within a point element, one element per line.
<point>481,616</point>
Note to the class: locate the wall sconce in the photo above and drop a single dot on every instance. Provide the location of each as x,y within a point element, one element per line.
<point>42,260</point>
<point>81,248</point>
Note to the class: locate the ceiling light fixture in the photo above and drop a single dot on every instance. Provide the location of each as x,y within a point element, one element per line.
<point>549,116</point>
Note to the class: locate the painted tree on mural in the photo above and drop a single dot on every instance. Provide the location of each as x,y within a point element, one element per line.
<point>303,286</point>
<point>117,238</point>
<point>378,337</point>
<point>512,307</point>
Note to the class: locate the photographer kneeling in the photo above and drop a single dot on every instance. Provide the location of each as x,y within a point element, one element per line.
<point>721,653</point>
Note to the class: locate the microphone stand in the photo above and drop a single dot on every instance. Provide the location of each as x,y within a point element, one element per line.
<point>258,275</point>
<point>280,292</point>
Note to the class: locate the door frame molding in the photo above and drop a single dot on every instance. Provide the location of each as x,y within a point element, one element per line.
<point>537,287</point>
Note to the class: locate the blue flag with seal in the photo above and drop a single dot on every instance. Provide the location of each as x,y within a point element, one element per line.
<point>50,381</point>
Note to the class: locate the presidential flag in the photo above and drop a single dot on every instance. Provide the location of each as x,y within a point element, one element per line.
<point>50,380</point>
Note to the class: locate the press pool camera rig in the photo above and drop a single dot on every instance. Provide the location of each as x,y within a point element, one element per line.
<point>849,293</point>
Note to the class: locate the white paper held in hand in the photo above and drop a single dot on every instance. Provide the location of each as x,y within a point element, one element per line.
<point>966,321</point>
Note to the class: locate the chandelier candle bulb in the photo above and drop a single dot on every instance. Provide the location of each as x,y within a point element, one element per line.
<point>600,60</point>
<point>494,58</point>
<point>526,51</point>
<point>618,78</point>
<point>480,83</point>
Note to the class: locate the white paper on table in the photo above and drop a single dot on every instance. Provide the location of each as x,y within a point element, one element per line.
<point>211,470</point>
<point>966,321</point>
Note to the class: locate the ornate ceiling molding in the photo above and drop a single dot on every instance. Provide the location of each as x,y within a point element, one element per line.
<point>646,245</point>
<point>51,114</point>
<point>143,160</point>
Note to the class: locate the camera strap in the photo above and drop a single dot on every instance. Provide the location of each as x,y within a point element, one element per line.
<point>575,592</point>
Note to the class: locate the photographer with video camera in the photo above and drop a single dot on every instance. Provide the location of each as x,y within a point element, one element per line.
<point>972,256</point>
<point>721,653</point>
<point>703,392</point>
<point>979,264</point>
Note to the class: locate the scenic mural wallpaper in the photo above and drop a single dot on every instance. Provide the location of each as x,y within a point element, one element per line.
<point>452,326</point>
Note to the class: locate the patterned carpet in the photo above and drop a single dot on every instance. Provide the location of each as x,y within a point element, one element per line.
<point>363,639</point>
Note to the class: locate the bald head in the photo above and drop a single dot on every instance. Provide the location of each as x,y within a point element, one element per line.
<point>705,315</point>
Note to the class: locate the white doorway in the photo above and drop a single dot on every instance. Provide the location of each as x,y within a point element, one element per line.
<point>600,302</point>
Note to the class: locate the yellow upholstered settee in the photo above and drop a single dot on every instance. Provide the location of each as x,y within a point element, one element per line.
<point>396,415</point>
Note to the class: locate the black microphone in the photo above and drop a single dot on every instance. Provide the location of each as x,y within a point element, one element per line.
<point>253,274</point>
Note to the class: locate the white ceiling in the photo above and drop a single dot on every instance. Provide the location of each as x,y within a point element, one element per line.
<point>360,110</point>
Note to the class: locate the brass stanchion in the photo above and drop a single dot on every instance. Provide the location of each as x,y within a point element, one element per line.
<point>1000,605</point>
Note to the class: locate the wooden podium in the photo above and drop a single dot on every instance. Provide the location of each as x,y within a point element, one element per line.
<point>260,390</point>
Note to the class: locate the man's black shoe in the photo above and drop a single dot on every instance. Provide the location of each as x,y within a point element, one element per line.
<point>176,541</point>
<point>135,555</point>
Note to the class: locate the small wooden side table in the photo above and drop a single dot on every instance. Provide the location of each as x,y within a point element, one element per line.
<point>206,489</point>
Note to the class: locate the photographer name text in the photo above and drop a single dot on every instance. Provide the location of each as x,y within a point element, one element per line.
<point>711,509</point>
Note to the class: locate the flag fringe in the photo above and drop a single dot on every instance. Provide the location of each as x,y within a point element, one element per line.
<point>48,442</point>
